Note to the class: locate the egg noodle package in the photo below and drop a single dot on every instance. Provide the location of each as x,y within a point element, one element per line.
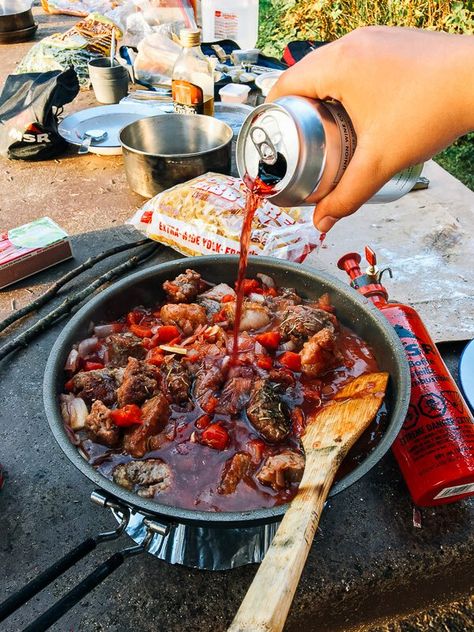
<point>204,216</point>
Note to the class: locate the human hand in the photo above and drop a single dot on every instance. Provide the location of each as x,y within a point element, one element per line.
<point>409,93</point>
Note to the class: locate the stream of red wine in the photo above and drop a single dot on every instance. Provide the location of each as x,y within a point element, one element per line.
<point>256,190</point>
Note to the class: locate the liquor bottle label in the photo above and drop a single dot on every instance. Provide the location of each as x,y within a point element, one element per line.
<point>187,97</point>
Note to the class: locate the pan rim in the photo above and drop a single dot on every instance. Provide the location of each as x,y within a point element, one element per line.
<point>216,519</point>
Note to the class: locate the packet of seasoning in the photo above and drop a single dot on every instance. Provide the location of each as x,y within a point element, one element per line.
<point>30,248</point>
<point>204,216</point>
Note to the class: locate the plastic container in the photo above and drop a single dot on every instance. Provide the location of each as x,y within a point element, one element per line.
<point>267,80</point>
<point>227,19</point>
<point>234,93</point>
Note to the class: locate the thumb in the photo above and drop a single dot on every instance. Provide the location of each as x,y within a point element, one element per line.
<point>363,177</point>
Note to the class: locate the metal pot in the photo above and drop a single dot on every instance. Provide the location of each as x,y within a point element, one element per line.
<point>161,151</point>
<point>199,539</point>
<point>144,288</point>
<point>16,21</point>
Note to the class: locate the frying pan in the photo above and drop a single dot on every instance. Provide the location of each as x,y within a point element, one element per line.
<point>144,288</point>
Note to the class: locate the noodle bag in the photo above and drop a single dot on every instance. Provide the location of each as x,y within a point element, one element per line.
<point>204,216</point>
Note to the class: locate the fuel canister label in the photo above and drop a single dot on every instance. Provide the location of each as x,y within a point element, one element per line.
<point>436,411</point>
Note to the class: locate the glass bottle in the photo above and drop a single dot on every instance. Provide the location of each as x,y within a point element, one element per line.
<point>192,81</point>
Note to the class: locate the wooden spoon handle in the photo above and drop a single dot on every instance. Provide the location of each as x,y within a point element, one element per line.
<point>268,600</point>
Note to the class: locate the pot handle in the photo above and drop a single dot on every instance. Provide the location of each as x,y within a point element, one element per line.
<point>59,567</point>
<point>70,599</point>
<point>45,578</point>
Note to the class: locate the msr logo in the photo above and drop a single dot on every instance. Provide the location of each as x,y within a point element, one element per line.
<point>33,134</point>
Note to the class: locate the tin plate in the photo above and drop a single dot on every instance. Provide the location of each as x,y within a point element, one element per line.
<point>111,118</point>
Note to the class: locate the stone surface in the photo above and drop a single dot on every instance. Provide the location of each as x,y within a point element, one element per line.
<point>368,560</point>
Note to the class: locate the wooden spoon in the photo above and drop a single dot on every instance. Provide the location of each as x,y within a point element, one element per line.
<point>328,437</point>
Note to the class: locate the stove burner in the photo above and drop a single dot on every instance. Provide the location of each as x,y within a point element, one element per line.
<point>205,548</point>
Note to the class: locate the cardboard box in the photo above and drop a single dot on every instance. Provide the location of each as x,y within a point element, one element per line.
<point>30,248</point>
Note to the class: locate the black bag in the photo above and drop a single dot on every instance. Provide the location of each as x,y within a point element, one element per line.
<point>30,104</point>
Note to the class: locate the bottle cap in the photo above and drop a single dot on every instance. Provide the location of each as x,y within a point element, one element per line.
<point>190,37</point>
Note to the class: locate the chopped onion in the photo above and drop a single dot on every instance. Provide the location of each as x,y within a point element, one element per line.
<point>259,350</point>
<point>288,346</point>
<point>74,411</point>
<point>218,291</point>
<point>87,346</point>
<point>71,362</point>
<point>266,280</point>
<point>102,331</point>
<point>256,298</point>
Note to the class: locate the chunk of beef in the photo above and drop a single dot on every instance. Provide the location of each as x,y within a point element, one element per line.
<point>280,470</point>
<point>120,347</point>
<point>254,315</point>
<point>177,380</point>
<point>97,385</point>
<point>211,306</point>
<point>100,427</point>
<point>268,413</point>
<point>184,288</point>
<point>282,376</point>
<point>209,379</point>
<point>234,471</point>
<point>234,395</point>
<point>236,391</point>
<point>320,353</point>
<point>154,417</point>
<point>185,316</point>
<point>152,476</point>
<point>300,322</point>
<point>140,382</point>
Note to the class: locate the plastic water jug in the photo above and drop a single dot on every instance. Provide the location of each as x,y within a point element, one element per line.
<point>228,19</point>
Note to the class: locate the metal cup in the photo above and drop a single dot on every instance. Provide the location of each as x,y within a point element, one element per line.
<point>110,83</point>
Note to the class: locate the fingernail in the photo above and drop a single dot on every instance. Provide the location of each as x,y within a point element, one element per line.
<point>326,223</point>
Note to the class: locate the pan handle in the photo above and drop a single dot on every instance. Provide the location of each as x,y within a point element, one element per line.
<point>59,567</point>
<point>74,596</point>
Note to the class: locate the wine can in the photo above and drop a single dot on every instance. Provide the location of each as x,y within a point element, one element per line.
<point>303,146</point>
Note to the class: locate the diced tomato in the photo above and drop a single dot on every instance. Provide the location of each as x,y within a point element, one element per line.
<point>92,366</point>
<point>270,291</point>
<point>219,317</point>
<point>155,357</point>
<point>134,317</point>
<point>211,404</point>
<point>166,333</point>
<point>251,286</point>
<point>129,415</point>
<point>69,386</point>
<point>269,339</point>
<point>228,298</point>
<point>264,362</point>
<point>202,422</point>
<point>141,331</point>
<point>255,448</point>
<point>291,360</point>
<point>215,436</point>
<point>298,421</point>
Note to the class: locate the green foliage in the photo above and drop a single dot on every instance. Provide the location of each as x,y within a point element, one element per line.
<point>458,159</point>
<point>282,21</point>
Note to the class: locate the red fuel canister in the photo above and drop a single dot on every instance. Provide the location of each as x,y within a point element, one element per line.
<point>435,447</point>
